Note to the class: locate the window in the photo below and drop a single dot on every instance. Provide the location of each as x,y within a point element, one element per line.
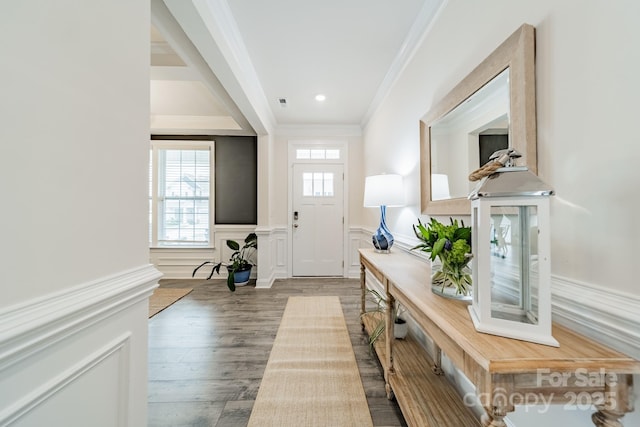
<point>317,154</point>
<point>317,184</point>
<point>180,195</point>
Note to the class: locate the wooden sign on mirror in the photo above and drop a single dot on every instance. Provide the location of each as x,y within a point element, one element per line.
<point>494,106</point>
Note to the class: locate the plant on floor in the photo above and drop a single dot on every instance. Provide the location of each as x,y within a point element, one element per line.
<point>240,260</point>
<point>379,311</point>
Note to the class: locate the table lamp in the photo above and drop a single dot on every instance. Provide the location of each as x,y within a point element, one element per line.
<point>383,190</point>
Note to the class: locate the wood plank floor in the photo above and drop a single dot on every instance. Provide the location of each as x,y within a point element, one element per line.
<point>208,351</point>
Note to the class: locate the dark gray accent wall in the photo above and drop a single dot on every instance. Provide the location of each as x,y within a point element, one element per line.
<point>489,144</point>
<point>236,178</point>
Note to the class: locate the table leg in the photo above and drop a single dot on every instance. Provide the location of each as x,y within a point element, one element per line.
<point>437,364</point>
<point>363,291</point>
<point>499,402</point>
<point>389,338</point>
<point>604,418</point>
<point>617,401</point>
<point>494,417</point>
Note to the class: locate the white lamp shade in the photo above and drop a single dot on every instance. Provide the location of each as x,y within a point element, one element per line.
<point>439,186</point>
<point>383,190</point>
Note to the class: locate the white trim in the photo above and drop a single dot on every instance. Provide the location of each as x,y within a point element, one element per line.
<point>608,316</point>
<point>196,68</point>
<point>156,146</point>
<point>419,30</point>
<point>47,390</point>
<point>318,131</point>
<point>32,326</point>
<point>272,255</point>
<point>218,19</point>
<point>266,283</point>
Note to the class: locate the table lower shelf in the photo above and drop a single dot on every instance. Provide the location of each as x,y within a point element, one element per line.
<point>425,398</point>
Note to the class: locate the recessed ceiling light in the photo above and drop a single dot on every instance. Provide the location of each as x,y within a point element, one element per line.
<point>320,97</point>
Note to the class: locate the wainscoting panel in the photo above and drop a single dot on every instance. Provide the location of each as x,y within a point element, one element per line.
<point>356,242</point>
<point>272,255</point>
<point>178,263</point>
<point>280,236</point>
<point>100,382</point>
<point>78,357</point>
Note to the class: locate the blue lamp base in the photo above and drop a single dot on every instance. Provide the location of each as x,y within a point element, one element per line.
<point>382,238</point>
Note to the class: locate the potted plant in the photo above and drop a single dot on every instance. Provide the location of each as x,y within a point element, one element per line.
<point>400,327</point>
<point>239,265</point>
<point>451,244</point>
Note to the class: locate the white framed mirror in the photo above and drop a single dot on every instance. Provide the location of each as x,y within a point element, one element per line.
<point>494,107</point>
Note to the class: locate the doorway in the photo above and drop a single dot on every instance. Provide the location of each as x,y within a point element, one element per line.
<point>317,208</point>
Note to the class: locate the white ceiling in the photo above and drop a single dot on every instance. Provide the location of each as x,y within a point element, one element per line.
<point>222,65</point>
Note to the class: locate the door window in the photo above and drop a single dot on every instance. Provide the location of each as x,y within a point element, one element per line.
<point>317,184</point>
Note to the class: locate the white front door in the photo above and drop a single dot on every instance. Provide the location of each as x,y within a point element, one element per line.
<point>318,225</point>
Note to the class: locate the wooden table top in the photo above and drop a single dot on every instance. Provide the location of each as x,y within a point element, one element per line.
<point>410,276</point>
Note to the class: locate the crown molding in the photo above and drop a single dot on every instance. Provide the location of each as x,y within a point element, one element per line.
<point>419,30</point>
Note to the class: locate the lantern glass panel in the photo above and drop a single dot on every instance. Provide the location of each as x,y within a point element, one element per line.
<point>474,249</point>
<point>513,266</point>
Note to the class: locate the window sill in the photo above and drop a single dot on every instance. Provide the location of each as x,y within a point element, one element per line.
<point>181,247</point>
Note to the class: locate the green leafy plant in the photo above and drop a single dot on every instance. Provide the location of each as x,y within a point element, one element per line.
<point>379,312</point>
<point>451,244</point>
<point>239,260</point>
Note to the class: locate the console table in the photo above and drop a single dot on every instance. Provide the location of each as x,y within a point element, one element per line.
<point>506,372</point>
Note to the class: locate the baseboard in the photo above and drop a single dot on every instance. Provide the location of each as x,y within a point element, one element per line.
<point>608,316</point>
<point>30,327</point>
<point>265,283</point>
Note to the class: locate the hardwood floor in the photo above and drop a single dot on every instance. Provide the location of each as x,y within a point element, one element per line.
<point>208,351</point>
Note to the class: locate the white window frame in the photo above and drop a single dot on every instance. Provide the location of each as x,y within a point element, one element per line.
<point>155,146</point>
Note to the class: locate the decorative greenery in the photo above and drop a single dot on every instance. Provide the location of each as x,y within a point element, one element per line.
<point>381,304</point>
<point>452,245</point>
<point>239,260</point>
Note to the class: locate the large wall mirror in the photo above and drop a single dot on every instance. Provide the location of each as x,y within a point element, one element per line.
<point>494,107</point>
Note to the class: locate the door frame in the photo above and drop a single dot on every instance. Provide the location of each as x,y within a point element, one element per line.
<point>342,145</point>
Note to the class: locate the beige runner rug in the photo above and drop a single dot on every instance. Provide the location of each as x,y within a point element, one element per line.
<point>311,378</point>
<point>163,298</point>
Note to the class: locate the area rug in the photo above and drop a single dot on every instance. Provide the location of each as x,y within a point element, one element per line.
<point>311,378</point>
<point>163,298</point>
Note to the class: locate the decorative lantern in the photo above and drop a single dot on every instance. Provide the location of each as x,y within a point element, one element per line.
<point>510,243</point>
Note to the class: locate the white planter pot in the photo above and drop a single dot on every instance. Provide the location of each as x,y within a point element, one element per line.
<point>400,330</point>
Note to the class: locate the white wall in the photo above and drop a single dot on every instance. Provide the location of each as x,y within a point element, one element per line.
<point>587,92</point>
<point>75,98</point>
<point>75,274</point>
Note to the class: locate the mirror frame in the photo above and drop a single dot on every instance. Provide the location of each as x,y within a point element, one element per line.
<point>518,54</point>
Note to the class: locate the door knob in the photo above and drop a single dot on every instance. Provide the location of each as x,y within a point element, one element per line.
<point>295,225</point>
